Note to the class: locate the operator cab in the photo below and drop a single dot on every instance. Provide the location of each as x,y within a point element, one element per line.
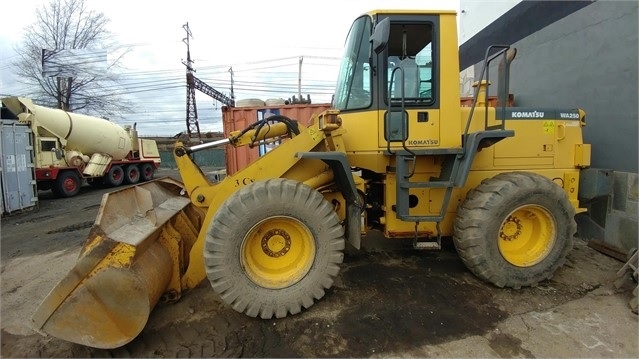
<point>365,79</point>
<point>389,85</point>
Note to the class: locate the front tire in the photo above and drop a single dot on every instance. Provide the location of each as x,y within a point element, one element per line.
<point>515,229</point>
<point>273,247</point>
<point>67,184</point>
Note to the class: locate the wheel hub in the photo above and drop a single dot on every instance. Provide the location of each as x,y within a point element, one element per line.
<point>69,184</point>
<point>511,229</point>
<point>277,252</point>
<point>276,243</point>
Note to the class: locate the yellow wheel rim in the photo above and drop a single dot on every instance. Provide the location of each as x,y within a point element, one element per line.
<point>277,252</point>
<point>527,235</point>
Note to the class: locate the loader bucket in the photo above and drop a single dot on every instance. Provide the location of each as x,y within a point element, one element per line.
<point>133,255</point>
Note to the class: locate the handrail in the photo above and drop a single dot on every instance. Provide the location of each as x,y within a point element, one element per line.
<point>484,70</point>
<point>403,110</point>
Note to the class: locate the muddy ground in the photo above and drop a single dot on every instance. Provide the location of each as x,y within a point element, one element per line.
<point>388,300</point>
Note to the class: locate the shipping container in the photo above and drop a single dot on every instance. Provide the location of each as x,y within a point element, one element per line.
<point>17,172</point>
<point>238,118</point>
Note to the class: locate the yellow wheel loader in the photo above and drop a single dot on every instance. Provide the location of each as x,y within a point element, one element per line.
<point>396,154</point>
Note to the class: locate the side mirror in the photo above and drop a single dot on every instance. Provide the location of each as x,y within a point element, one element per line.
<point>57,152</point>
<point>380,35</point>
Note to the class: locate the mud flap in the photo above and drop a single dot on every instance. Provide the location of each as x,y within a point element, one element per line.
<point>133,255</point>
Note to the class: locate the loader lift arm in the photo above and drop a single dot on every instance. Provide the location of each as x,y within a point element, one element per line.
<point>339,169</point>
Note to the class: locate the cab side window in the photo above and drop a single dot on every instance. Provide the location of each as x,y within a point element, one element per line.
<point>410,64</point>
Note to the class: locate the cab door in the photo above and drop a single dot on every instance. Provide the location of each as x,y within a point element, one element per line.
<point>409,113</point>
<point>48,152</point>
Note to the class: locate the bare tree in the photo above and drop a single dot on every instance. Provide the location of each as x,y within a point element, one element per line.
<point>63,59</point>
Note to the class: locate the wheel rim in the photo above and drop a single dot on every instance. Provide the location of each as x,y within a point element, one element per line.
<point>69,185</point>
<point>277,252</point>
<point>117,174</point>
<point>148,171</point>
<point>133,175</point>
<point>527,235</point>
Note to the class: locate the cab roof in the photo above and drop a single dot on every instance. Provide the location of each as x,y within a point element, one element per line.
<point>408,12</point>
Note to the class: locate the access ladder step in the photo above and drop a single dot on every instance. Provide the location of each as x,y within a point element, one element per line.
<point>427,245</point>
<point>408,218</point>
<point>431,184</point>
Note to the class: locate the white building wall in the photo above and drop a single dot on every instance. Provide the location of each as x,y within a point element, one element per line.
<point>476,15</point>
<point>473,16</point>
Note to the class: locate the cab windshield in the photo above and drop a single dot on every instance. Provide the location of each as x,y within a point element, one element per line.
<point>354,80</point>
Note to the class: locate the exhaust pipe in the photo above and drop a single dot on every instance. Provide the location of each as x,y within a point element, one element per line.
<point>503,77</point>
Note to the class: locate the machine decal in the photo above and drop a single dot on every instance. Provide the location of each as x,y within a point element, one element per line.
<point>244,181</point>
<point>569,115</point>
<point>313,134</point>
<point>531,114</point>
<point>549,127</point>
<point>522,113</point>
<point>423,142</point>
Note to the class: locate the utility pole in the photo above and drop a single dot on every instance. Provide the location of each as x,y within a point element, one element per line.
<point>192,84</point>
<point>299,79</point>
<point>232,83</point>
<point>192,124</point>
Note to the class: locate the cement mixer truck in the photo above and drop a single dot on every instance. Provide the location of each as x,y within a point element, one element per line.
<point>71,149</point>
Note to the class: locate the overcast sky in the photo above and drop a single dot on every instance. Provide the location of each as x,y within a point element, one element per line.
<point>261,40</point>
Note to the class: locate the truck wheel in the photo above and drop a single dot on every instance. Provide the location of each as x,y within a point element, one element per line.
<point>131,174</point>
<point>115,176</point>
<point>273,247</point>
<point>67,184</point>
<point>515,229</point>
<point>146,172</point>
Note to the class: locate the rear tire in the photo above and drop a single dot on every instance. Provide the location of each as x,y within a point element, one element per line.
<point>515,229</point>
<point>146,172</point>
<point>273,247</point>
<point>131,174</point>
<point>67,184</point>
<point>115,176</point>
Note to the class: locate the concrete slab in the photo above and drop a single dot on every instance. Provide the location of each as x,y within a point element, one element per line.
<point>599,325</point>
